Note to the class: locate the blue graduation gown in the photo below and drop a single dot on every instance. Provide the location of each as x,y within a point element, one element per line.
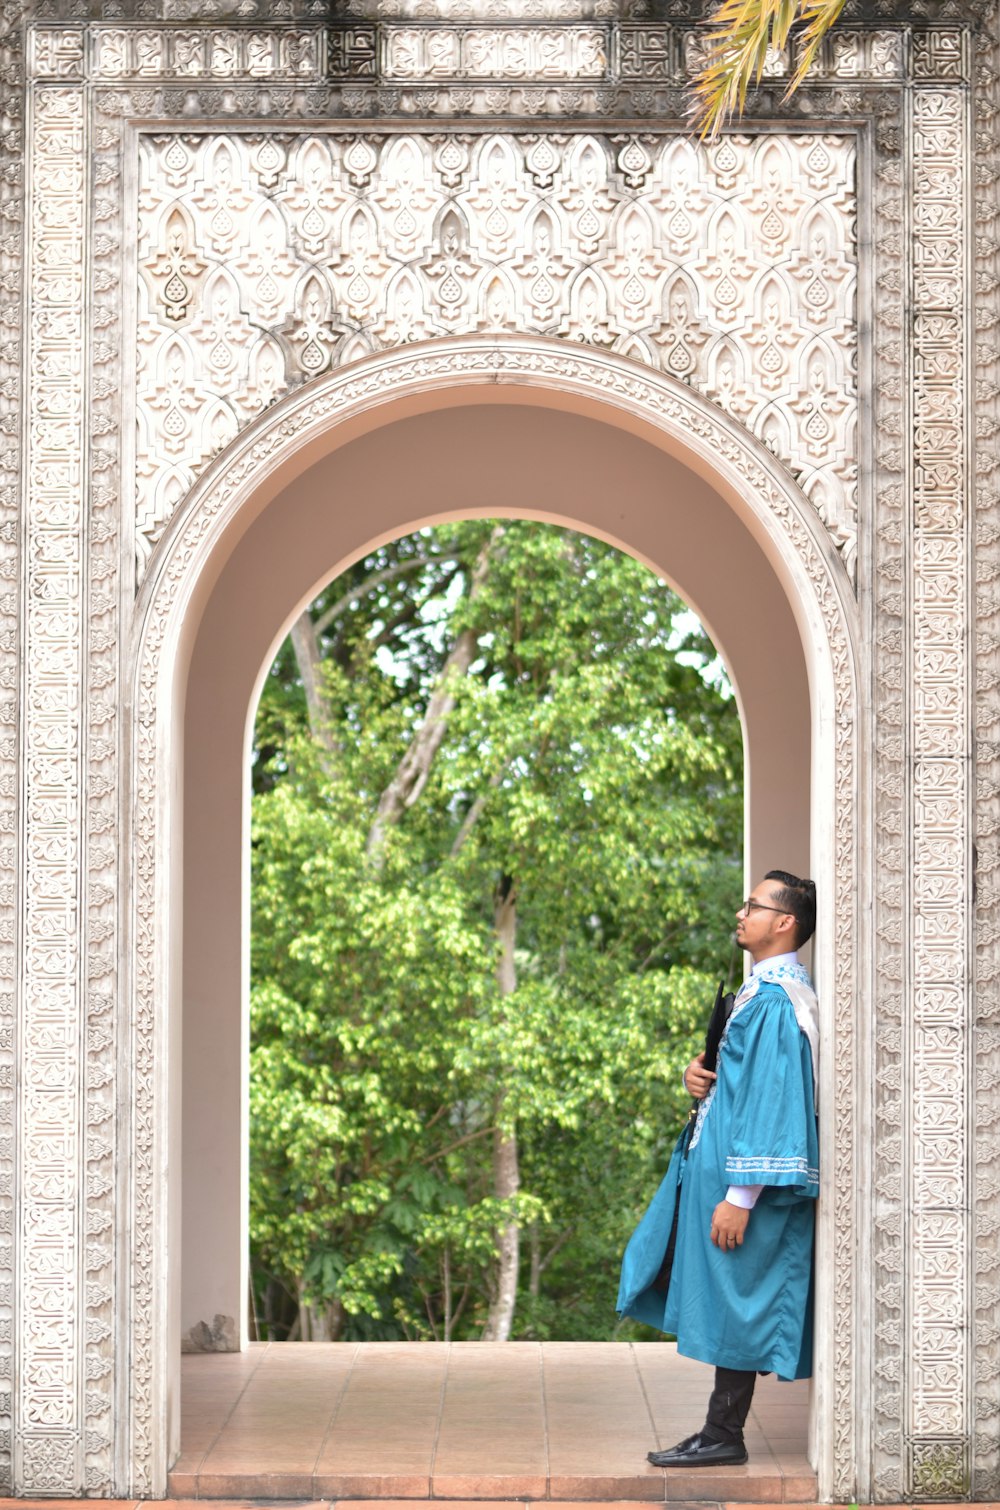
<point>749,1307</point>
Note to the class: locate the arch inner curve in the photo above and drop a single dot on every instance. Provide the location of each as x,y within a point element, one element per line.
<point>498,427</point>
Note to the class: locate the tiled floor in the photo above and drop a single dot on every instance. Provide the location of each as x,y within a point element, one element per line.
<point>568,1421</point>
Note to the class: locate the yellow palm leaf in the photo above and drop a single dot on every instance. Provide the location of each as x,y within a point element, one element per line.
<point>740,36</point>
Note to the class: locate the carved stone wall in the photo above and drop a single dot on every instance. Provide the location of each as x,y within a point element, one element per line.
<point>266,259</point>
<point>362,148</point>
<point>986,1013</point>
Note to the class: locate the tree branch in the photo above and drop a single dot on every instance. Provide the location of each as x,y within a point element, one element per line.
<point>476,810</point>
<point>411,611</point>
<point>414,769</point>
<point>389,574</point>
<point>440,1153</point>
<point>305,643</point>
<point>560,1242</point>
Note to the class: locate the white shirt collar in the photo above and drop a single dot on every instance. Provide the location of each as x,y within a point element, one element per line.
<point>774,961</point>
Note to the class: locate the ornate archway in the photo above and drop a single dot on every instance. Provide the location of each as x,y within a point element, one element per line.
<point>258,470</point>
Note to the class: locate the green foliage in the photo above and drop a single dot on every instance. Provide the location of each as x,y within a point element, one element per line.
<point>589,765</point>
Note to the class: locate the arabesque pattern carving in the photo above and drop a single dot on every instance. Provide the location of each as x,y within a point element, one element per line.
<point>102,714</point>
<point>891,839</point>
<point>11,339</point>
<point>986,1021</point>
<point>936,1121</point>
<point>268,259</point>
<point>48,1438</point>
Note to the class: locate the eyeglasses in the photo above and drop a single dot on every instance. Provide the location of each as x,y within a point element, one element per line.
<point>750,905</point>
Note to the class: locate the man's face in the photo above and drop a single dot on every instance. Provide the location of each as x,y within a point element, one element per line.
<point>761,925</point>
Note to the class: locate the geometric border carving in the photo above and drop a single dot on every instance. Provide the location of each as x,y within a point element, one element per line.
<point>267,258</point>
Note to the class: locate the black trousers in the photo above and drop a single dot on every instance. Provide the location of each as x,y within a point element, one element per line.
<point>729,1404</point>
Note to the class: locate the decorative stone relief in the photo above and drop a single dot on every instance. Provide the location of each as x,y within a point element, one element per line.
<point>890,672</point>
<point>490,52</point>
<point>198,53</point>
<point>267,259</point>
<point>936,1121</point>
<point>48,1444</point>
<point>985,1387</point>
<point>11,405</point>
<point>102,938</point>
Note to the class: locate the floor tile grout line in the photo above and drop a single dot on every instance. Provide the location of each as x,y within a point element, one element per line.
<point>440,1419</point>
<point>645,1395</point>
<point>333,1417</point>
<point>225,1421</point>
<point>545,1421</point>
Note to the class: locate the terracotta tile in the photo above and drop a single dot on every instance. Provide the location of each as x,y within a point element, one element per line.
<point>691,1505</point>
<point>30,1504</point>
<point>725,1484</point>
<point>349,1445</point>
<point>599,1448</point>
<point>480,1466</point>
<point>568,1486</point>
<point>255,1485</point>
<point>588,1504</point>
<point>179,1485</point>
<point>179,1504</point>
<point>369,1486</point>
<point>266,1463</point>
<point>261,1443</point>
<point>369,1458</point>
<point>326,1417</point>
<point>489,1485</point>
<point>800,1487</point>
<point>406,1504</point>
<point>186,1463</point>
<point>489,1443</point>
<point>413,1436</point>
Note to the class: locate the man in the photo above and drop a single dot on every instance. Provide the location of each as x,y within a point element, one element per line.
<point>745,1175</point>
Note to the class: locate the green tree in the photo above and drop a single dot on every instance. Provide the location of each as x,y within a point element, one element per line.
<point>496,839</point>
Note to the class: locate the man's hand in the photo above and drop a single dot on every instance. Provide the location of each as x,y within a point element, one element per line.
<point>728,1225</point>
<point>697,1079</point>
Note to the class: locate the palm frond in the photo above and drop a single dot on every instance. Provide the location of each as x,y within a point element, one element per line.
<point>819,16</point>
<point>741,35</point>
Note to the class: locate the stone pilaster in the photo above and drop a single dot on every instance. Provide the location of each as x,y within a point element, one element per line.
<point>48,1397</point>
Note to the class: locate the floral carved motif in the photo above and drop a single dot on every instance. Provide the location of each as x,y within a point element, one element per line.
<point>11,404</point>
<point>265,260</point>
<point>985,1120</point>
<point>47,1443</point>
<point>936,1125</point>
<point>889,614</point>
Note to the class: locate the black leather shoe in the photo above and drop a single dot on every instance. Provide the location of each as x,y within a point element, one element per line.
<point>700,1452</point>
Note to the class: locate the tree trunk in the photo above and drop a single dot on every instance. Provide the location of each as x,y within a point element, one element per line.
<point>415,767</point>
<point>322,1323</point>
<point>305,643</point>
<point>506,1174</point>
<point>535,1283</point>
